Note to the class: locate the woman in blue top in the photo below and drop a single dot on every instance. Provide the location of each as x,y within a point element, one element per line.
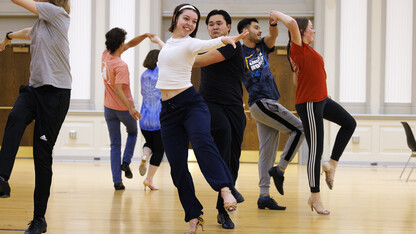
<point>150,123</point>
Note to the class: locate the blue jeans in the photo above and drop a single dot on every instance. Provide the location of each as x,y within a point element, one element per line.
<point>113,119</point>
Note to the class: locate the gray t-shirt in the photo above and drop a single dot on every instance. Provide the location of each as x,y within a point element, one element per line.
<point>50,48</point>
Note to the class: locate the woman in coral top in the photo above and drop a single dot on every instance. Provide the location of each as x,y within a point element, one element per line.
<point>313,104</point>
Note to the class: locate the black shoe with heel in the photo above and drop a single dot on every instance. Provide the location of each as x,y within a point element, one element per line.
<point>225,221</point>
<point>119,186</point>
<point>237,195</point>
<point>4,188</point>
<point>263,203</point>
<point>36,226</point>
<point>127,172</point>
<point>277,178</point>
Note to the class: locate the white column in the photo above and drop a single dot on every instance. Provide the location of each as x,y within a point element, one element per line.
<point>398,66</point>
<point>80,47</point>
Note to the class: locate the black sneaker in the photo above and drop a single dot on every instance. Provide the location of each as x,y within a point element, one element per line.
<point>119,186</point>
<point>127,172</point>
<point>4,188</point>
<point>225,221</point>
<point>37,225</point>
<point>237,195</point>
<point>278,179</point>
<point>264,203</point>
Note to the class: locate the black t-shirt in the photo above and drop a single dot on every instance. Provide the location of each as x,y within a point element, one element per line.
<point>222,82</point>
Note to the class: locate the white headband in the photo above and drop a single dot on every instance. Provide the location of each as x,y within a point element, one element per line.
<point>187,6</point>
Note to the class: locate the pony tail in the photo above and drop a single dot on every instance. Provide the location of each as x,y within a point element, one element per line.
<point>288,55</point>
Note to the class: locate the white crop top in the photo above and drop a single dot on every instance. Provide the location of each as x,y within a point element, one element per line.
<point>176,59</point>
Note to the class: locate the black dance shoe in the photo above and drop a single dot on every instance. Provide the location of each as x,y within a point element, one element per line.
<point>277,178</point>
<point>37,226</point>
<point>237,195</point>
<point>225,221</point>
<point>4,188</point>
<point>127,172</point>
<point>119,186</point>
<point>270,203</point>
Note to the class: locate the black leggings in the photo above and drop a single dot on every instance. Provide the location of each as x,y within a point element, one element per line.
<point>154,142</point>
<point>312,115</point>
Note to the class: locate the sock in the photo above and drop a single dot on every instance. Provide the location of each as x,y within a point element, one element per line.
<point>280,172</point>
<point>265,197</point>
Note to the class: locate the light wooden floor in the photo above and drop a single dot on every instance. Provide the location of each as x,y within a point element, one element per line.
<point>364,200</point>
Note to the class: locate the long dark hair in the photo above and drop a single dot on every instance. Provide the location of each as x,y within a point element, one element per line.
<point>302,25</point>
<point>178,11</point>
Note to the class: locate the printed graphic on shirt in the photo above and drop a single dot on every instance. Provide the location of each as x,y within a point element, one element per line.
<point>104,72</point>
<point>256,63</point>
<point>258,78</point>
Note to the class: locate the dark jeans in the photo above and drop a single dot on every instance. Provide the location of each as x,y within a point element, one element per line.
<point>113,119</point>
<point>154,142</point>
<point>227,128</point>
<point>312,115</point>
<point>185,118</point>
<point>48,106</point>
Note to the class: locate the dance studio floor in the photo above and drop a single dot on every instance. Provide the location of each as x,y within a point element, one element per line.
<point>83,200</point>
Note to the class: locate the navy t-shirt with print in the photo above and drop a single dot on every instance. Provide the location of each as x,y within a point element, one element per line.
<point>258,78</point>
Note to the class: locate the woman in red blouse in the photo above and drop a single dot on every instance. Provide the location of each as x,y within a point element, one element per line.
<point>313,104</point>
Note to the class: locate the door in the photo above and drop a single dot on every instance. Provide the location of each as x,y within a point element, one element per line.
<point>14,72</point>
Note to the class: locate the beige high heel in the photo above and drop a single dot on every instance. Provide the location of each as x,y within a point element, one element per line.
<point>149,183</point>
<point>318,206</point>
<point>142,167</point>
<point>200,222</point>
<point>329,174</point>
<point>230,207</point>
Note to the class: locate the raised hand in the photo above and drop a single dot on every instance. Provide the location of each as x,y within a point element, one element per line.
<point>4,43</point>
<point>233,39</point>
<point>273,17</point>
<point>155,39</point>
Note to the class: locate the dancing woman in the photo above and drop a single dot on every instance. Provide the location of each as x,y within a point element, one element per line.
<point>150,123</point>
<point>313,104</point>
<point>185,117</point>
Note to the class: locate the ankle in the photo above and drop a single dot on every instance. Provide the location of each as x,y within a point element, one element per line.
<point>315,196</point>
<point>264,196</point>
<point>281,170</point>
<point>333,163</point>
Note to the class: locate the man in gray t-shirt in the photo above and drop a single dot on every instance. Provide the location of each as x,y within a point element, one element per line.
<point>45,100</point>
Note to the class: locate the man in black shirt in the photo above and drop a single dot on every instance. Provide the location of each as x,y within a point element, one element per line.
<point>221,77</point>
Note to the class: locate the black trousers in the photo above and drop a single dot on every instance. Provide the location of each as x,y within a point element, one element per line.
<point>312,115</point>
<point>154,142</point>
<point>227,128</point>
<point>48,106</point>
<point>184,118</point>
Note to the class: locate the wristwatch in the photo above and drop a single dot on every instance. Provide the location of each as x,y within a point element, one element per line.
<point>7,35</point>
